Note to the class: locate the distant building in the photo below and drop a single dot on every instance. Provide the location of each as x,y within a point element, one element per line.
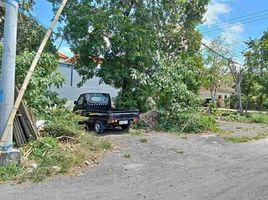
<point>70,90</point>
<point>222,93</point>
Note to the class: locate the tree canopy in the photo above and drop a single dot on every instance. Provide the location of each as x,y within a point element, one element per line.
<point>29,37</point>
<point>256,82</point>
<point>123,37</point>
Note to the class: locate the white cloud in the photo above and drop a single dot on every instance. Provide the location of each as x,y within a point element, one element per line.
<point>236,28</point>
<point>232,33</point>
<point>214,10</point>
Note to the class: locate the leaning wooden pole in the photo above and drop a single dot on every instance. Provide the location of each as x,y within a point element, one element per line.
<point>29,74</point>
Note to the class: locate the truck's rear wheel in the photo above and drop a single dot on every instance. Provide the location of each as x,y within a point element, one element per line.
<point>99,127</point>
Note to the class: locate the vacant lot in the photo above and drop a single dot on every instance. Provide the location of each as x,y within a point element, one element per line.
<point>163,166</point>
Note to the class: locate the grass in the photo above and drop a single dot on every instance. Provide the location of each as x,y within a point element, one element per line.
<point>243,139</point>
<point>193,122</point>
<point>184,137</point>
<point>63,147</point>
<point>135,132</point>
<point>10,172</point>
<point>179,151</point>
<point>143,140</point>
<point>126,155</point>
<point>249,118</point>
<point>223,133</point>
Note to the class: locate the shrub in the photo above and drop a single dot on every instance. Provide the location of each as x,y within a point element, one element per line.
<point>50,155</point>
<point>189,122</point>
<point>63,123</point>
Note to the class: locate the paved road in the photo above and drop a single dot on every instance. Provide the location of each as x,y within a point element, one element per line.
<point>165,168</point>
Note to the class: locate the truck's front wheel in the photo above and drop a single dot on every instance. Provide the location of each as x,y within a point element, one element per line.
<point>99,127</point>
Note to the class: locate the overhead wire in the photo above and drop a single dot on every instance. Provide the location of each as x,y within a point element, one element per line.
<point>227,25</point>
<point>253,17</point>
<point>258,14</point>
<point>211,49</point>
<point>233,48</point>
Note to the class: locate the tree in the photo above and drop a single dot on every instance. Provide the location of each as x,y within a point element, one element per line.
<point>216,70</point>
<point>237,73</point>
<point>256,57</point>
<point>127,36</point>
<point>30,35</point>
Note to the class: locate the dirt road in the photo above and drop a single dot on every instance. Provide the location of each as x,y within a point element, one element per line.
<point>166,167</point>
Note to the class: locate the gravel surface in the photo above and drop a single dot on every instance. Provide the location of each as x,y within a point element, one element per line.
<point>201,167</point>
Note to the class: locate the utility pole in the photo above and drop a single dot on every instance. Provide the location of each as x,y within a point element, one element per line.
<point>8,154</point>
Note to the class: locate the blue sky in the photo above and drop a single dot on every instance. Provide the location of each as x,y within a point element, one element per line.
<point>252,23</point>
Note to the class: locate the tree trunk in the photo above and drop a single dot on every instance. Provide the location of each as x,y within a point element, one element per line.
<point>212,96</point>
<point>238,88</point>
<point>247,104</point>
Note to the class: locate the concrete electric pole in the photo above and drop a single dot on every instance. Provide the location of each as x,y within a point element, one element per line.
<point>7,84</point>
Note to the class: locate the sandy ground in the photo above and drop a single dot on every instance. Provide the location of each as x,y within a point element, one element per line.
<point>200,167</point>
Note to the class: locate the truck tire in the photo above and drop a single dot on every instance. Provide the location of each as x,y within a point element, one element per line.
<point>99,127</point>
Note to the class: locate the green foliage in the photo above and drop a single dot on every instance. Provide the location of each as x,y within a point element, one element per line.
<point>193,122</point>
<point>49,156</point>
<point>59,125</point>
<point>232,116</point>
<point>128,35</point>
<point>254,117</point>
<point>176,104</point>
<point>143,140</point>
<point>42,146</point>
<point>216,70</point>
<point>259,118</point>
<point>126,155</point>
<point>30,35</point>
<point>243,139</point>
<point>37,95</point>
<point>255,83</point>
<point>10,172</point>
<point>135,132</point>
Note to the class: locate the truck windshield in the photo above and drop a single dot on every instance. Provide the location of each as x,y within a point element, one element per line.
<point>98,98</point>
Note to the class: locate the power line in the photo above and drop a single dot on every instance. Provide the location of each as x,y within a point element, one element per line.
<point>241,17</point>
<point>234,53</point>
<point>217,53</point>
<point>211,49</point>
<point>234,49</point>
<point>233,23</point>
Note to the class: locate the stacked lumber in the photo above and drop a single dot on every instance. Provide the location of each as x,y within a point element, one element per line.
<point>24,128</point>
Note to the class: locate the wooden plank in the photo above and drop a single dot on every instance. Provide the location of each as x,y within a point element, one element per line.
<point>16,133</point>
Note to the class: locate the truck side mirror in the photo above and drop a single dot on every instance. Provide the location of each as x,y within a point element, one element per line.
<point>75,102</point>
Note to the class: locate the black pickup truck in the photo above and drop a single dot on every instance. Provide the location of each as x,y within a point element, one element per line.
<point>97,108</point>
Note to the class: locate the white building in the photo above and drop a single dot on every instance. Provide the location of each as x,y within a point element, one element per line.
<point>71,91</point>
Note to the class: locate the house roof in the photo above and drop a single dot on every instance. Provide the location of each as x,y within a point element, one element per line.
<point>70,60</point>
<point>223,88</point>
<point>61,55</point>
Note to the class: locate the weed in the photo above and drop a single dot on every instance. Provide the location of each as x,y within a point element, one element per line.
<point>179,151</point>
<point>223,133</point>
<point>126,155</point>
<point>140,125</point>
<point>9,172</point>
<point>143,140</point>
<point>52,157</point>
<point>194,122</point>
<point>249,118</point>
<point>134,132</point>
<point>243,139</point>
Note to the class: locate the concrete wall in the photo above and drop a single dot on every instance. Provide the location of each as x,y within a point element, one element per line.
<point>71,92</point>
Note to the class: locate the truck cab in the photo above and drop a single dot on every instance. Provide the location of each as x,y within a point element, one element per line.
<point>97,108</point>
